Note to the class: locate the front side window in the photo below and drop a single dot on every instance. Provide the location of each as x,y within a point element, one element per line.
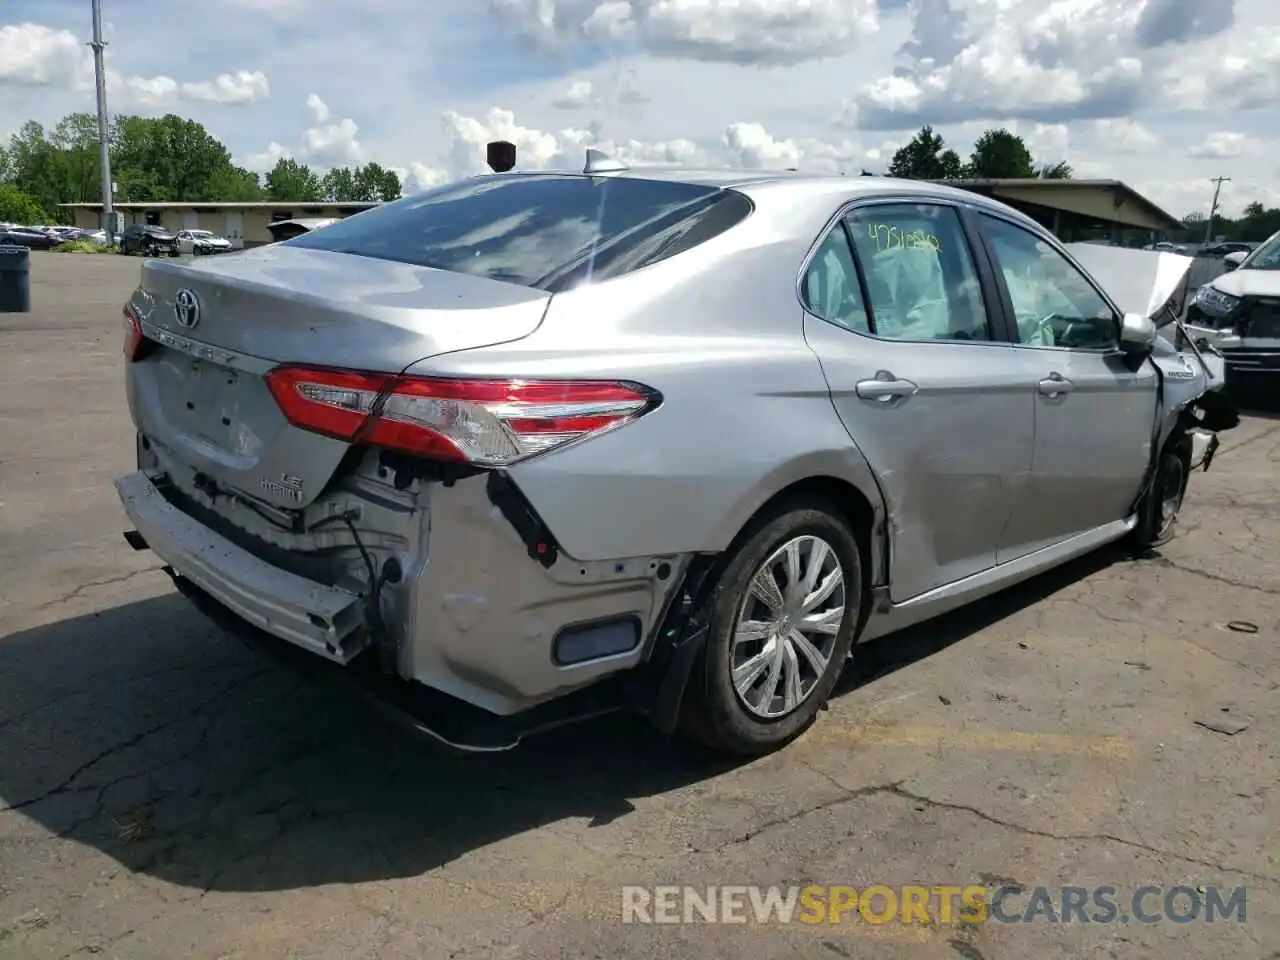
<point>547,231</point>
<point>921,280</point>
<point>1053,304</point>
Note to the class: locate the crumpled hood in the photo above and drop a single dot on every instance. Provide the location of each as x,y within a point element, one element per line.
<point>1248,283</point>
<point>1139,281</point>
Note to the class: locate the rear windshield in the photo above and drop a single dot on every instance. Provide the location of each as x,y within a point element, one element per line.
<point>547,231</point>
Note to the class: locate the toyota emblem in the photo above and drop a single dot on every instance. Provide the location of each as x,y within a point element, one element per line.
<point>186,308</point>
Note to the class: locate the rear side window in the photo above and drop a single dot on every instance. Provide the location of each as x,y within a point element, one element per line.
<point>546,231</point>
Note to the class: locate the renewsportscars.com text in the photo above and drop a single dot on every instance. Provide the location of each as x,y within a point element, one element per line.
<point>929,905</point>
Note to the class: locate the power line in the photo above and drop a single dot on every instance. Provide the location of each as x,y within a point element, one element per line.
<point>1213,207</point>
<point>104,152</point>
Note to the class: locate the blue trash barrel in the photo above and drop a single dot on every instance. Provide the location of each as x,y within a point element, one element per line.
<point>15,279</point>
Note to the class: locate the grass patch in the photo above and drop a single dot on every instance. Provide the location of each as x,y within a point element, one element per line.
<point>83,246</point>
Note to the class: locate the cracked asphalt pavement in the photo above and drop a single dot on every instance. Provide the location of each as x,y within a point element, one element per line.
<point>166,791</point>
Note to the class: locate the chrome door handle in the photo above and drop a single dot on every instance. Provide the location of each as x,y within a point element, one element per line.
<point>885,388</point>
<point>1054,385</point>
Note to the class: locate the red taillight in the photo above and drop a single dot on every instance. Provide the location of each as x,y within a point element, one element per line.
<point>484,422</point>
<point>133,335</point>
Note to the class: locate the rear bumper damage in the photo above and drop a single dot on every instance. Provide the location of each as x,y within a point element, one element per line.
<point>325,620</point>
<point>503,636</point>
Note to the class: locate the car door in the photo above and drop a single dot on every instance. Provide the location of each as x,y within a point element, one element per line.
<point>184,242</point>
<point>1095,407</point>
<point>897,312</point>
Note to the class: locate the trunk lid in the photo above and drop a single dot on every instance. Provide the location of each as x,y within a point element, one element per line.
<point>200,396</point>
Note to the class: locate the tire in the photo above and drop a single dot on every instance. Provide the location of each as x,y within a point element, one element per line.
<point>734,716</point>
<point>1160,507</point>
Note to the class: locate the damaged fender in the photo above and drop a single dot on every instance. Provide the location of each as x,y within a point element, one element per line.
<point>1156,285</point>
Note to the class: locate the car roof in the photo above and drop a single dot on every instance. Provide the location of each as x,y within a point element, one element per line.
<point>806,185</point>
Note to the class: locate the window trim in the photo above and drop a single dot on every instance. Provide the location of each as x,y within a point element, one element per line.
<point>811,259</point>
<point>1117,315</point>
<point>993,304</point>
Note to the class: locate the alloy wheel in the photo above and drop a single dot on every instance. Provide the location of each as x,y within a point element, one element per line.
<point>786,627</point>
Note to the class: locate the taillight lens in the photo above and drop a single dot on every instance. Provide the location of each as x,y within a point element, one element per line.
<point>483,422</point>
<point>134,339</point>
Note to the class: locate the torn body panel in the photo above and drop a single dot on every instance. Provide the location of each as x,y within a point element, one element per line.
<point>431,573</point>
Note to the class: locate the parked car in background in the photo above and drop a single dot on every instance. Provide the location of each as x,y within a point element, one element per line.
<point>288,229</point>
<point>148,240</point>
<point>532,443</point>
<point>1239,313</point>
<point>1222,249</point>
<point>202,242</point>
<point>28,237</point>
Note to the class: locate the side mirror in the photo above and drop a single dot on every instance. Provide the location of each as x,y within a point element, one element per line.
<point>1137,334</point>
<point>1233,260</point>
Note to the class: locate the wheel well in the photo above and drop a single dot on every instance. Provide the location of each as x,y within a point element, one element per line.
<point>843,498</point>
<point>850,503</point>
<point>663,702</point>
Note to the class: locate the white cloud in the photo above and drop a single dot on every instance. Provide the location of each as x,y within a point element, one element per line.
<point>1125,136</point>
<point>33,55</point>
<point>268,158</point>
<point>754,147</point>
<point>1224,145</point>
<point>244,86</point>
<point>318,108</point>
<point>1138,91</point>
<point>733,31</point>
<point>578,95</point>
<point>1245,72</point>
<point>324,143</point>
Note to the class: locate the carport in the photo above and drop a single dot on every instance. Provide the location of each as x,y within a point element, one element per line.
<point>1078,210</point>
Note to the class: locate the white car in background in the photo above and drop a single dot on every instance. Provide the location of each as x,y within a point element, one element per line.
<point>198,242</point>
<point>1238,313</point>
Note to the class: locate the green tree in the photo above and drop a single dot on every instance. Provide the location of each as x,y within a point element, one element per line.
<point>926,157</point>
<point>365,184</point>
<point>1057,171</point>
<point>18,207</point>
<point>292,181</point>
<point>36,167</point>
<point>1257,223</point>
<point>75,139</point>
<point>236,185</point>
<point>999,155</point>
<point>339,184</point>
<point>169,158</point>
<point>375,182</point>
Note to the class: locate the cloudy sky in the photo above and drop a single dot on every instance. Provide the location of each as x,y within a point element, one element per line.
<point>1163,94</point>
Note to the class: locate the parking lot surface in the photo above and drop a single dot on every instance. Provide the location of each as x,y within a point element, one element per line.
<point>167,792</point>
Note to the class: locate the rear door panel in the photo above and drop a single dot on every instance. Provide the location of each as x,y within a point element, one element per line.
<point>951,454</point>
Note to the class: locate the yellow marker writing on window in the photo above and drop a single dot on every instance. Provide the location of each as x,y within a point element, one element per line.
<point>888,237</point>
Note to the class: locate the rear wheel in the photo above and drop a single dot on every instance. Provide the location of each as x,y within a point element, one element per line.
<point>782,616</point>
<point>1160,508</point>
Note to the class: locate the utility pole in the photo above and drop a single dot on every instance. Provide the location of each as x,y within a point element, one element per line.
<point>1213,207</point>
<point>104,152</point>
